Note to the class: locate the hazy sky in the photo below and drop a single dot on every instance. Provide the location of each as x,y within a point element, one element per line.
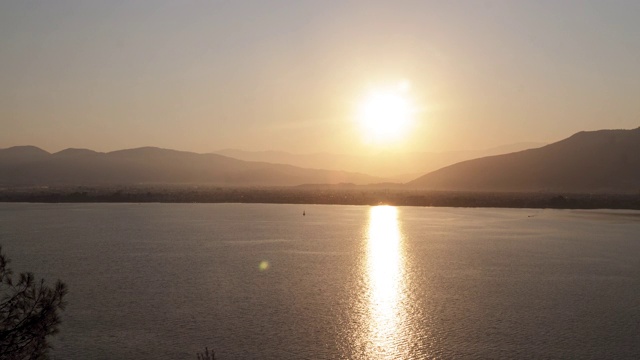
<point>287,75</point>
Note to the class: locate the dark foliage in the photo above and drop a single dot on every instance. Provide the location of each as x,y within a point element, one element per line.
<point>29,314</point>
<point>206,355</point>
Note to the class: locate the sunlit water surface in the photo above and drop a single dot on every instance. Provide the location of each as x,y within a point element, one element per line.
<point>162,281</point>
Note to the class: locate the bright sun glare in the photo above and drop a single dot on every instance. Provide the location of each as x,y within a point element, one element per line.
<point>386,114</point>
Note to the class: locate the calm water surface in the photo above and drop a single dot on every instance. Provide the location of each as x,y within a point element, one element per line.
<point>162,281</point>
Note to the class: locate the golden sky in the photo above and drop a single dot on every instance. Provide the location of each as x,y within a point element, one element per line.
<point>291,75</point>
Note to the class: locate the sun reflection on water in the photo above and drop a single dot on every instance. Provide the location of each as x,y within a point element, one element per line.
<point>385,270</point>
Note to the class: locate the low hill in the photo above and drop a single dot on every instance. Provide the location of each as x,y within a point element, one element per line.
<point>21,154</point>
<point>596,161</point>
<point>31,166</point>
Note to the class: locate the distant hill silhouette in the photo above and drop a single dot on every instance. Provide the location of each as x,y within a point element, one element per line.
<point>31,166</point>
<point>595,161</point>
<point>400,167</point>
<point>20,154</point>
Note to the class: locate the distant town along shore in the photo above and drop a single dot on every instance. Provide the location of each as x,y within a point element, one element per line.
<point>336,195</point>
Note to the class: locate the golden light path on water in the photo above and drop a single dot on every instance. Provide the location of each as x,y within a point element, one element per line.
<point>385,270</point>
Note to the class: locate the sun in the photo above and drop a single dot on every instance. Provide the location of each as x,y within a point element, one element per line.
<point>386,114</point>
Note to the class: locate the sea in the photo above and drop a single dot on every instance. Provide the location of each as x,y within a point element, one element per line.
<point>264,281</point>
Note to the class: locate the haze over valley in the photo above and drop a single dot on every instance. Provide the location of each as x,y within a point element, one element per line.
<point>397,167</point>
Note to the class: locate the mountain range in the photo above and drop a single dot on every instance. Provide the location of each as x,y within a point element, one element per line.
<point>595,161</point>
<point>605,161</point>
<point>31,166</point>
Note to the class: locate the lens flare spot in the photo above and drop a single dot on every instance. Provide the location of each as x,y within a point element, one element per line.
<point>264,265</point>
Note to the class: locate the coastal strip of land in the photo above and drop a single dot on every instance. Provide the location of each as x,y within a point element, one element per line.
<point>334,195</point>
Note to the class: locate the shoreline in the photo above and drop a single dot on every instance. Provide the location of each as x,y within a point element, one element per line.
<point>322,196</point>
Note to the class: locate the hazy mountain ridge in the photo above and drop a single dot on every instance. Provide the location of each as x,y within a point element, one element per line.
<point>594,161</point>
<point>397,166</point>
<point>31,166</point>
